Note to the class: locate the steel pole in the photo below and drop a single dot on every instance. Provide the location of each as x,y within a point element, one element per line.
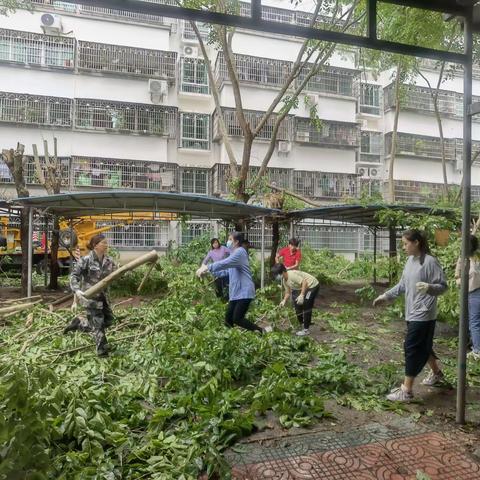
<point>30,252</point>
<point>374,255</point>
<point>262,256</point>
<point>467,154</point>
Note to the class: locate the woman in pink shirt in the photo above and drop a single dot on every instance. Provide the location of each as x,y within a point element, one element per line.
<point>218,252</point>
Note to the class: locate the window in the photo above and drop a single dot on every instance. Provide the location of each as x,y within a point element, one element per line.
<point>371,146</point>
<point>194,76</point>
<point>370,98</point>
<point>193,230</point>
<point>195,180</point>
<point>195,131</point>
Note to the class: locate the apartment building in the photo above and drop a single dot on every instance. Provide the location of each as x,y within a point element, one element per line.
<point>128,98</point>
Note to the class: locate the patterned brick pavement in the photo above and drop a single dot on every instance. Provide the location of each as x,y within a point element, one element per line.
<point>397,452</point>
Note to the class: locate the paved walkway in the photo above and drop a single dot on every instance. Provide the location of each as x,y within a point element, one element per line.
<point>402,451</point>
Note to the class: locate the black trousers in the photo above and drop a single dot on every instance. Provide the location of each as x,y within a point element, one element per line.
<point>221,285</point>
<point>236,311</point>
<point>418,346</point>
<point>304,312</point>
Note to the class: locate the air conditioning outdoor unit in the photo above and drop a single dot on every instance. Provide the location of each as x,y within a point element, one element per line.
<point>167,179</point>
<point>311,100</point>
<point>51,24</point>
<point>158,90</point>
<point>375,172</point>
<point>363,172</point>
<point>189,51</point>
<point>303,136</point>
<point>284,147</point>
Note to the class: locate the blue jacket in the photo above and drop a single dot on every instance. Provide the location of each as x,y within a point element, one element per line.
<point>241,284</point>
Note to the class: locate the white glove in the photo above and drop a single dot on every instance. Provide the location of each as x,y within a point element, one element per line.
<point>202,271</point>
<point>80,295</point>
<point>300,299</point>
<point>283,303</point>
<point>379,299</point>
<point>422,287</point>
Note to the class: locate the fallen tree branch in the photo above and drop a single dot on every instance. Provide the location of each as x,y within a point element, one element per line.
<point>147,274</point>
<point>13,309</point>
<point>61,300</point>
<point>21,300</point>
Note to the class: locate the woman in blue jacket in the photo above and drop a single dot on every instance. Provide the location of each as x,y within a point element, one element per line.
<point>241,290</point>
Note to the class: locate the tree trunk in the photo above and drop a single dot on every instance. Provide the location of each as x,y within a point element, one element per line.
<point>393,150</point>
<point>275,241</point>
<point>442,147</point>
<point>241,186</point>
<point>54,267</point>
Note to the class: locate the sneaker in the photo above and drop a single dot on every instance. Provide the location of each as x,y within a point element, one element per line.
<point>433,379</point>
<point>303,333</point>
<point>400,395</point>
<point>473,355</point>
<point>268,329</point>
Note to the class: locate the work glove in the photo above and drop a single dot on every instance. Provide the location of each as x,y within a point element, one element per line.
<point>422,287</point>
<point>202,271</point>
<point>380,299</point>
<point>283,303</point>
<point>80,295</point>
<point>300,299</point>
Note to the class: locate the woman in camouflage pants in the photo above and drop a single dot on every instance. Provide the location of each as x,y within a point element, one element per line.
<point>88,271</point>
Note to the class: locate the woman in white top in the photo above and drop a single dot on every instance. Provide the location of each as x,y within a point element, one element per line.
<point>473,296</point>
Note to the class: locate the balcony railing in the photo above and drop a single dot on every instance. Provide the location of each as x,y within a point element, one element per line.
<point>333,80</point>
<point>449,67</point>
<point>195,180</point>
<point>126,117</point>
<point>285,132</point>
<point>92,11</point>
<point>328,134</point>
<point>189,35</point>
<point>256,70</point>
<point>30,171</point>
<point>325,185</point>
<point>92,172</point>
<point>420,146</point>
<point>101,57</point>
<point>410,191</point>
<point>35,110</point>
<point>35,49</point>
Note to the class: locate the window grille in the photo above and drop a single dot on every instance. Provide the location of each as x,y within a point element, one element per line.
<point>285,131</point>
<point>420,146</point>
<point>35,109</point>
<point>328,134</point>
<point>262,71</point>
<point>195,131</point>
<point>194,180</point>
<point>411,191</point>
<point>30,171</point>
<point>371,147</point>
<point>188,33</point>
<point>128,117</point>
<point>137,234</point>
<point>116,173</point>
<point>101,57</point>
<point>194,76</point>
<point>370,98</point>
<point>332,80</point>
<point>36,49</point>
<point>193,230</point>
<point>325,184</point>
<point>475,151</point>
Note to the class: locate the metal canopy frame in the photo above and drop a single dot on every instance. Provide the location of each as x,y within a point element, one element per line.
<point>461,8</point>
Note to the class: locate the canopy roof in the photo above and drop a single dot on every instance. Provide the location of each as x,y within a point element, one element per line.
<point>81,204</point>
<point>361,214</point>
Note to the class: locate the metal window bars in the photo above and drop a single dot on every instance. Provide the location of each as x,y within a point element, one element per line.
<point>411,191</point>
<point>194,180</point>
<point>92,11</point>
<point>193,230</point>
<point>325,185</point>
<point>430,64</point>
<point>95,172</point>
<point>371,147</point>
<point>331,80</point>
<point>327,133</point>
<point>30,171</point>
<point>195,131</point>
<point>257,70</point>
<point>370,98</point>
<point>136,234</point>
<point>420,146</point>
<point>102,57</point>
<point>35,109</point>
<point>189,35</point>
<point>194,76</point>
<point>138,118</point>
<point>285,131</point>
<point>475,151</point>
<point>36,49</point>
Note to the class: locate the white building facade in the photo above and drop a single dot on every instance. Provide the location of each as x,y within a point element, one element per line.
<point>128,98</point>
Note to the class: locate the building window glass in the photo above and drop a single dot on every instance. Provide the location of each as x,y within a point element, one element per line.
<point>370,99</point>
<point>195,131</point>
<point>194,76</point>
<point>195,180</point>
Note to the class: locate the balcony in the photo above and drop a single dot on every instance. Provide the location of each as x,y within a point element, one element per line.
<point>254,70</point>
<point>475,151</point>
<point>285,132</point>
<point>323,185</point>
<point>30,171</point>
<point>420,146</point>
<point>332,80</point>
<point>435,65</point>
<point>409,191</point>
<point>328,134</point>
<point>36,50</point>
<point>101,57</point>
<point>92,172</point>
<point>104,115</point>
<point>35,110</point>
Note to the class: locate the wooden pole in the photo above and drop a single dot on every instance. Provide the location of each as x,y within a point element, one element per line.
<point>147,274</point>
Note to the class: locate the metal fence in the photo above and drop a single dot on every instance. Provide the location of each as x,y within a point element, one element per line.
<point>126,117</point>
<point>35,49</point>
<point>327,133</point>
<point>194,131</point>
<point>371,147</point>
<point>411,191</point>
<point>189,35</point>
<point>35,109</point>
<point>420,146</point>
<point>102,57</point>
<point>192,230</point>
<point>333,80</point>
<point>370,96</point>
<point>30,171</point>
<point>232,124</point>
<point>138,234</point>
<point>195,180</point>
<point>325,185</point>
<point>194,76</point>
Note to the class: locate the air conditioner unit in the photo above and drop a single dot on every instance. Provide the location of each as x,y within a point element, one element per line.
<point>303,136</point>
<point>311,100</point>
<point>375,172</point>
<point>167,179</point>
<point>158,90</point>
<point>363,124</point>
<point>363,172</point>
<point>51,24</point>
<point>189,51</point>
<point>284,147</point>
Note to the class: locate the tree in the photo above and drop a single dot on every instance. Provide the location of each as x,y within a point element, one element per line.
<point>15,161</point>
